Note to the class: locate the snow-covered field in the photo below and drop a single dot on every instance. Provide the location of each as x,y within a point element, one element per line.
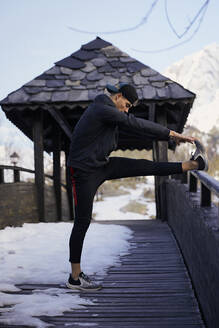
<point>38,253</point>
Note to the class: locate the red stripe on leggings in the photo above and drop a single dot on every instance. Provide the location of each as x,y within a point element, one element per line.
<point>73,185</point>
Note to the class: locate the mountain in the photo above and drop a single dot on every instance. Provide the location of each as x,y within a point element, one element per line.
<point>199,73</point>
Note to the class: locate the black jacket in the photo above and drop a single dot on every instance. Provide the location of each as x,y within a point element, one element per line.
<point>96,134</point>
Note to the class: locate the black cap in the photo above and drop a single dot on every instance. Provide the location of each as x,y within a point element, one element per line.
<point>127,90</point>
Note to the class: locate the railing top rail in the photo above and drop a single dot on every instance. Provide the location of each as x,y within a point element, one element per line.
<point>211,183</point>
<point>18,168</point>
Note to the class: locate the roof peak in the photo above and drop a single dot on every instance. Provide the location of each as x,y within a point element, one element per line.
<point>96,44</point>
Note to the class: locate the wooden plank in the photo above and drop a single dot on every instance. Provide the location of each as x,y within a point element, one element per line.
<point>125,325</point>
<point>180,315</point>
<point>124,319</point>
<point>123,311</point>
<point>155,300</point>
<point>112,325</point>
<point>38,162</point>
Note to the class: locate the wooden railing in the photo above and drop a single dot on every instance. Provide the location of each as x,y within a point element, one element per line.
<point>208,185</point>
<point>192,214</point>
<point>17,170</point>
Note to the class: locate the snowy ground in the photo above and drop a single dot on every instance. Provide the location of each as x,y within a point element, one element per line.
<point>38,253</point>
<point>109,209</point>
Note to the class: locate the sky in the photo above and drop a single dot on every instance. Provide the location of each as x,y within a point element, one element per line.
<point>34,34</point>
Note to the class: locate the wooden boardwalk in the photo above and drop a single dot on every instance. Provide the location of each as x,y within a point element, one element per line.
<point>151,288</point>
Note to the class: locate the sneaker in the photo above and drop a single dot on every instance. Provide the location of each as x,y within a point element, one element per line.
<point>200,156</point>
<point>83,283</point>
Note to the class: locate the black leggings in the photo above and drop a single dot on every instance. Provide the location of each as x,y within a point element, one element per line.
<point>85,186</point>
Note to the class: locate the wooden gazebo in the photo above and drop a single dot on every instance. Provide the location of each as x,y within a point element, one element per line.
<point>47,108</point>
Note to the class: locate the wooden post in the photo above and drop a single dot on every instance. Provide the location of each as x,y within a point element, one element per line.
<point>205,195</point>
<point>57,170</point>
<point>2,178</point>
<point>16,176</point>
<point>193,181</point>
<point>38,162</point>
<point>69,188</point>
<point>160,149</point>
<point>151,117</point>
<point>184,177</point>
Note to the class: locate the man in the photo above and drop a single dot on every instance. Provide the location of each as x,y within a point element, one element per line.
<point>93,139</point>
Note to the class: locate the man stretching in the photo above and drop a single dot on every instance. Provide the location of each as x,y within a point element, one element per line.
<point>94,138</point>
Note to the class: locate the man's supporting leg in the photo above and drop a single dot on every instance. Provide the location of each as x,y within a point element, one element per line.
<point>75,270</point>
<point>85,186</point>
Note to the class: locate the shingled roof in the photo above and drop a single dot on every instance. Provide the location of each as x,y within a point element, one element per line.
<point>85,73</point>
<point>64,91</point>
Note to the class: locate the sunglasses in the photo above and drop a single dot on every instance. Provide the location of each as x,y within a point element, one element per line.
<point>129,105</point>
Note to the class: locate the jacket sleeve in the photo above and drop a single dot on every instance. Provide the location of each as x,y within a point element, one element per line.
<point>110,114</point>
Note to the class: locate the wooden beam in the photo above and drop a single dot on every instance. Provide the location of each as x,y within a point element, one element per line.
<point>151,114</point>
<point>60,119</point>
<point>160,154</point>
<point>38,162</point>
<point>57,170</point>
<point>69,188</point>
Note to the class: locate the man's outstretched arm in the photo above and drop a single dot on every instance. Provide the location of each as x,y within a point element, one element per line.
<point>146,127</point>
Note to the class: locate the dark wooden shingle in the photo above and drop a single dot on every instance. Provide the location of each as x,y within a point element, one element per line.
<point>96,44</point>
<point>84,55</point>
<point>70,62</point>
<point>45,77</point>
<point>134,66</point>
<point>106,69</point>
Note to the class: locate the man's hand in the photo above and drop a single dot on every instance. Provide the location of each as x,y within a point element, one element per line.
<point>179,138</point>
